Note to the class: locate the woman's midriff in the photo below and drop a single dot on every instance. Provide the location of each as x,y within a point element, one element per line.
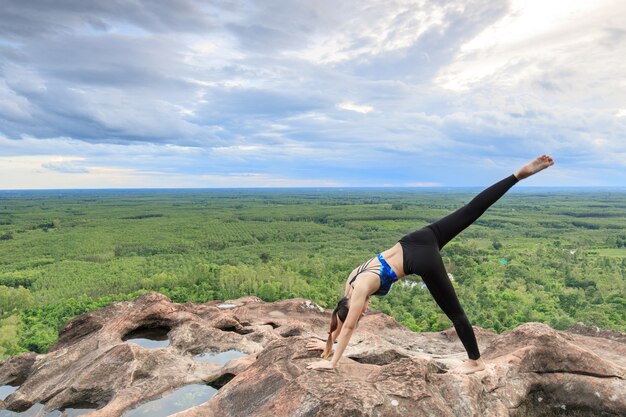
<point>394,258</point>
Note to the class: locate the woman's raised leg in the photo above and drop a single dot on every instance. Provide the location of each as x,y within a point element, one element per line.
<point>448,227</point>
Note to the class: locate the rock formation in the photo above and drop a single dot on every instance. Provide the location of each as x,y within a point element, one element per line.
<point>387,370</point>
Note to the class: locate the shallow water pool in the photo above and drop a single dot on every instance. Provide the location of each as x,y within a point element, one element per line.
<point>178,400</point>
<point>219,358</point>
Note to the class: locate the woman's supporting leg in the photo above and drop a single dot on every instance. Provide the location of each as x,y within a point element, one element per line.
<point>453,224</point>
<point>436,279</point>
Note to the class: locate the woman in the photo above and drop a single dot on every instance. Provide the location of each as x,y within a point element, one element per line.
<point>418,253</point>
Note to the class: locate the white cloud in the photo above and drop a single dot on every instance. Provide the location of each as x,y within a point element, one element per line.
<point>70,165</point>
<point>237,149</point>
<point>378,28</point>
<point>359,108</point>
<point>534,33</point>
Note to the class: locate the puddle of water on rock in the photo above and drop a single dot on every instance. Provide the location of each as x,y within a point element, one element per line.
<point>149,337</point>
<point>69,412</point>
<point>149,343</point>
<point>219,358</point>
<point>226,305</point>
<point>34,411</point>
<point>37,411</point>
<point>5,390</point>
<point>74,412</point>
<point>178,400</point>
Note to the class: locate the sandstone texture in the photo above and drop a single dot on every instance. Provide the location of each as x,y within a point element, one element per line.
<point>386,371</point>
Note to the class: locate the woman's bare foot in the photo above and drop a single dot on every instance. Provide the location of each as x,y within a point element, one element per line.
<point>469,367</point>
<point>534,166</point>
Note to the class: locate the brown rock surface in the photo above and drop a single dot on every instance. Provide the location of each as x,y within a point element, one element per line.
<point>387,370</point>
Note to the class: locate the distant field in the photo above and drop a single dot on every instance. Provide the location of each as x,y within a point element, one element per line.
<point>617,253</point>
<point>66,252</point>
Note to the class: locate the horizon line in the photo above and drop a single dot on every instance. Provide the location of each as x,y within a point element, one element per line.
<point>314,187</point>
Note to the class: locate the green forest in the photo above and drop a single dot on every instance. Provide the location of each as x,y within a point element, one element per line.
<point>556,256</point>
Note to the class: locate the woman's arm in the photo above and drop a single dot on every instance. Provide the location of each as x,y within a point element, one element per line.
<point>357,303</point>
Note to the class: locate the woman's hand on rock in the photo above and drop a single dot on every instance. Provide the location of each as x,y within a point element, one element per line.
<point>315,344</point>
<point>322,365</point>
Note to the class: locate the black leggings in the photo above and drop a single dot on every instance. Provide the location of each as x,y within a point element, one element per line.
<point>421,257</point>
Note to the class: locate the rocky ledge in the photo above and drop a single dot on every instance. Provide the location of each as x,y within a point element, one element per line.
<point>387,370</point>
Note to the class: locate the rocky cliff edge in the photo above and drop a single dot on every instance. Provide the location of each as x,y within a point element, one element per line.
<point>387,370</point>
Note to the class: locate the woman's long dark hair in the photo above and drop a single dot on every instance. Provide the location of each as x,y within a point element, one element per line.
<point>340,312</point>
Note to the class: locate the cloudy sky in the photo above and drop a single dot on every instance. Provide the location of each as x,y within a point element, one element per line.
<point>298,93</point>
